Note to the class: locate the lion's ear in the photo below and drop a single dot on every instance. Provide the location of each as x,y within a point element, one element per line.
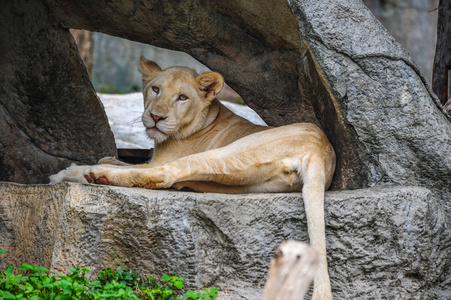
<point>148,69</point>
<point>210,84</point>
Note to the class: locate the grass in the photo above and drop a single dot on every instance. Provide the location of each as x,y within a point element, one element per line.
<point>34,282</point>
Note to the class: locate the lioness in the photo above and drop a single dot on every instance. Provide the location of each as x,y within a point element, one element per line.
<point>203,146</point>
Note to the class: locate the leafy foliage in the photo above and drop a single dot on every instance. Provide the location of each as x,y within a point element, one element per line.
<point>208,295</point>
<point>119,284</point>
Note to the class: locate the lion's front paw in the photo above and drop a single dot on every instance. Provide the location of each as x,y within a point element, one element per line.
<point>81,174</point>
<point>92,178</point>
<point>109,175</point>
<point>73,173</point>
<point>105,175</point>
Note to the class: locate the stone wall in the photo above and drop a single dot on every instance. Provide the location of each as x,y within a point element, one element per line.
<point>50,116</point>
<point>399,248</point>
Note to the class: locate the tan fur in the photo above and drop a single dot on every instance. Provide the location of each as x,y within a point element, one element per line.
<point>203,146</point>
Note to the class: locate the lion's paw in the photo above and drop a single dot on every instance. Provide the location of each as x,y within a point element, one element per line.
<point>153,178</point>
<point>81,174</point>
<point>92,178</point>
<point>73,173</point>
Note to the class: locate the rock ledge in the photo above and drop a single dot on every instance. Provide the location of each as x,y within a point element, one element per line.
<point>398,249</point>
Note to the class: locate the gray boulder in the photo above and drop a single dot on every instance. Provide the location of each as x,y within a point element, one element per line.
<point>124,114</point>
<point>50,116</point>
<point>389,242</point>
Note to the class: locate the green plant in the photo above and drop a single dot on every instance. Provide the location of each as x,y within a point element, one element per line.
<point>208,295</point>
<point>240,101</point>
<point>128,278</point>
<point>37,285</point>
<point>119,284</point>
<point>109,89</point>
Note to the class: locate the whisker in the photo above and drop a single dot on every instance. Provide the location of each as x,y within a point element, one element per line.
<point>135,121</point>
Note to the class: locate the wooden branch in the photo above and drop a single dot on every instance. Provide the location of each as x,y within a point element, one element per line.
<point>442,60</point>
<point>291,272</point>
<point>84,40</point>
<point>447,106</point>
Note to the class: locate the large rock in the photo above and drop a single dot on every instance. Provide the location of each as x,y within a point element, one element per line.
<point>50,116</point>
<point>388,242</point>
<point>388,109</point>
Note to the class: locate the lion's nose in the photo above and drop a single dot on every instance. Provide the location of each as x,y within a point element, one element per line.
<point>157,118</point>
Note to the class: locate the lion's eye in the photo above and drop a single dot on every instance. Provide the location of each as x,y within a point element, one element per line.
<point>182,98</point>
<point>156,89</point>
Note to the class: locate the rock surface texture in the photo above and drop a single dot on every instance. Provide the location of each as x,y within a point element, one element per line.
<point>50,116</point>
<point>398,249</point>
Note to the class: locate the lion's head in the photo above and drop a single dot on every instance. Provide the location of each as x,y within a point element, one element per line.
<point>176,100</point>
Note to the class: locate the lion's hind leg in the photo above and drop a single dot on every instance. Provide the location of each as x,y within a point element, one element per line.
<point>313,171</point>
<point>112,160</point>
